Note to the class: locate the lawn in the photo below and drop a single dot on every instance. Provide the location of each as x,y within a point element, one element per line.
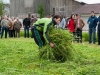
<point>20,57</point>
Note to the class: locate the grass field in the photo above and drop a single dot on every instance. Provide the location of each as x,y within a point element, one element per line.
<point>20,57</point>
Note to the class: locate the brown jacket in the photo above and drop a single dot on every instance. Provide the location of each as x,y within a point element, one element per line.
<point>17,25</point>
<point>11,25</point>
<point>81,24</point>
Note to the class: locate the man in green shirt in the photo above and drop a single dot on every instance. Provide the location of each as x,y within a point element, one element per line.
<point>42,27</point>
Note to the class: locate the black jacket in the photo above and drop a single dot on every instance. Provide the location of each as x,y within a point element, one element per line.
<point>26,22</point>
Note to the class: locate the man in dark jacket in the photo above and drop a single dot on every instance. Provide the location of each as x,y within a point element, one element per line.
<point>26,24</point>
<point>92,21</point>
<point>98,30</point>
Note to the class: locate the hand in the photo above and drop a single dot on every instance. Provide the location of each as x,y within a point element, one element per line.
<point>51,44</point>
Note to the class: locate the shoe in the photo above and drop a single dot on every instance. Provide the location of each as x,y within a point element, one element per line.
<point>93,42</point>
<point>98,43</point>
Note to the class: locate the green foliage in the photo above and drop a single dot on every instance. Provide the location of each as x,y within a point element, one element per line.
<point>41,11</point>
<point>86,36</point>
<point>63,49</point>
<point>19,56</point>
<point>1,7</point>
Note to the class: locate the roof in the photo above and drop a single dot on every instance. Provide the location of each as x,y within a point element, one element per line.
<point>87,8</point>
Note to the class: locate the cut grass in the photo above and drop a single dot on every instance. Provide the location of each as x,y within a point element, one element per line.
<point>20,57</point>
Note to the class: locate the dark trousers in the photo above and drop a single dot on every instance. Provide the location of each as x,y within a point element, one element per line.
<point>0,28</point>
<point>38,37</point>
<point>92,31</point>
<point>6,31</point>
<point>26,32</point>
<point>17,32</point>
<point>79,34</point>
<point>99,36</point>
<point>11,33</point>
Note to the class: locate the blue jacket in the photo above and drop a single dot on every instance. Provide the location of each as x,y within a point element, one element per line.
<point>99,22</point>
<point>92,22</point>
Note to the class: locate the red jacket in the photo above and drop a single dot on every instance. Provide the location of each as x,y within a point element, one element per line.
<point>71,25</point>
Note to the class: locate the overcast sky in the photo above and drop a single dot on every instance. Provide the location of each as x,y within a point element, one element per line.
<point>86,1</point>
<point>90,1</point>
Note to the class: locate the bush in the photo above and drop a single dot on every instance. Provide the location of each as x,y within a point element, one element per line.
<point>86,36</point>
<point>22,33</point>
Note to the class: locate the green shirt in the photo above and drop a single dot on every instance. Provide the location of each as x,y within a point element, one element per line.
<point>44,25</point>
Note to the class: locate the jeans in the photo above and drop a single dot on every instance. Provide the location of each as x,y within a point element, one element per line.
<point>92,31</point>
<point>26,32</point>
<point>6,31</point>
<point>0,28</point>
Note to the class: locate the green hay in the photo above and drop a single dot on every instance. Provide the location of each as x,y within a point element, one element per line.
<point>63,49</point>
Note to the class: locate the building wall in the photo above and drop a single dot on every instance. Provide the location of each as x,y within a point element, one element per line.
<point>68,5</point>
<point>20,7</point>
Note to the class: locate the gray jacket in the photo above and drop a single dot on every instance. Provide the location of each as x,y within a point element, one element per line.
<point>5,23</point>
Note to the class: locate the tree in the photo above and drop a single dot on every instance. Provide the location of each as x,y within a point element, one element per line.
<point>41,10</point>
<point>1,7</point>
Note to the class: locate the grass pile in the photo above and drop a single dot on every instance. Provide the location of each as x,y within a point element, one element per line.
<point>63,49</point>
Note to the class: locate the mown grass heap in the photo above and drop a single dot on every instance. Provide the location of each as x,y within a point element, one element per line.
<point>63,49</point>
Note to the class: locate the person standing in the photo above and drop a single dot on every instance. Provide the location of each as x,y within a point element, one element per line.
<point>0,24</point>
<point>33,20</point>
<point>13,31</point>
<point>79,24</point>
<point>10,27</point>
<point>42,27</point>
<point>17,26</point>
<point>98,29</point>
<point>26,24</point>
<point>5,25</point>
<point>62,23</point>
<point>71,24</point>
<point>92,21</point>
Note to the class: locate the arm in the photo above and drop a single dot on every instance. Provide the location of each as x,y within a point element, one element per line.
<point>88,22</point>
<point>83,23</point>
<point>64,23</point>
<point>2,23</point>
<point>45,33</point>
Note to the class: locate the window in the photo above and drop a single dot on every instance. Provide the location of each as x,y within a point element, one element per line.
<point>28,3</point>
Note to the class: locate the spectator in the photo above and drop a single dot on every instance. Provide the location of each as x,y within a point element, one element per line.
<point>0,24</point>
<point>5,25</point>
<point>71,24</point>
<point>98,30</point>
<point>26,24</point>
<point>17,26</point>
<point>62,23</point>
<point>92,21</point>
<point>33,20</point>
<point>13,31</point>
<point>10,27</point>
<point>78,27</point>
